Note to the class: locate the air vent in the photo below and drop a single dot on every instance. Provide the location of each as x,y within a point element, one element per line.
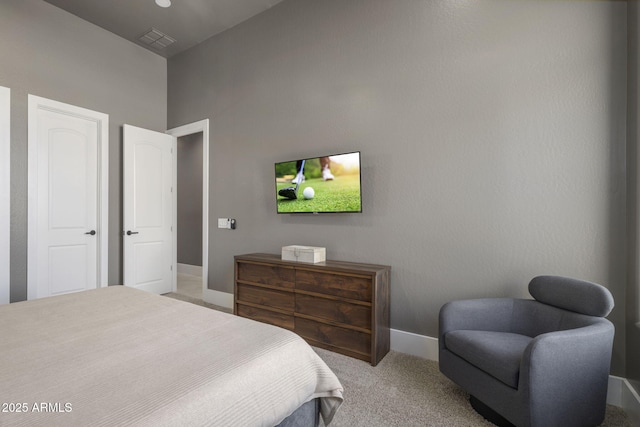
<point>156,39</point>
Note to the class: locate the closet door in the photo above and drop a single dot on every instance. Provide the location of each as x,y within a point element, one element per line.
<point>67,200</point>
<point>5,192</point>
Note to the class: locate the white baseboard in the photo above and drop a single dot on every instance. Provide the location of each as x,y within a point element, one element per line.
<point>622,394</point>
<point>222,299</point>
<point>194,270</point>
<point>414,344</point>
<point>615,390</point>
<point>631,404</point>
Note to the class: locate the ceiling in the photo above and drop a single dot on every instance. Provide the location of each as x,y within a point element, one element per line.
<point>188,22</point>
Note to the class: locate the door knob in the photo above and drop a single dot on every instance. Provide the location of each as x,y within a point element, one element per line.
<point>129,233</point>
<point>92,232</point>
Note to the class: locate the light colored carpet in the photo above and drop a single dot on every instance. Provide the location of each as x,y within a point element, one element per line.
<point>405,391</point>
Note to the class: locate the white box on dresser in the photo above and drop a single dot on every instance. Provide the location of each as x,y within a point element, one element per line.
<point>300,253</point>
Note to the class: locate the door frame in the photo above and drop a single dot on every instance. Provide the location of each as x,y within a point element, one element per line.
<point>36,103</point>
<point>189,129</point>
<point>5,194</point>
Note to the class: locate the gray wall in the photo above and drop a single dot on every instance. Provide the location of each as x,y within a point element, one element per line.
<point>50,53</point>
<point>189,207</point>
<point>633,174</point>
<point>492,136</point>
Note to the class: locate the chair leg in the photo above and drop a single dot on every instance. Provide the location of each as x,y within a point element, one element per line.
<point>488,413</point>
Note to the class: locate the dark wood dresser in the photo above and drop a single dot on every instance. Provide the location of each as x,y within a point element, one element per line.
<point>335,305</point>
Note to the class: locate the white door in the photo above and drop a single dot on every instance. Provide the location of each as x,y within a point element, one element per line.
<point>5,137</point>
<point>66,211</point>
<point>148,181</point>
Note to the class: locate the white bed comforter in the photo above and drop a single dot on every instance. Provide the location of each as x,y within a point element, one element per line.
<point>119,356</point>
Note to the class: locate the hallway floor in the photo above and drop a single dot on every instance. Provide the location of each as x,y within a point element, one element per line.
<point>189,285</point>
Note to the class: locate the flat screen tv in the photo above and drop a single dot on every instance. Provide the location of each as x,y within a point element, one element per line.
<point>328,184</point>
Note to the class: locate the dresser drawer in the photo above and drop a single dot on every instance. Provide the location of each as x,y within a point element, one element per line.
<point>336,336</point>
<point>266,316</point>
<point>334,310</point>
<point>271,275</point>
<point>341,285</point>
<point>265,296</point>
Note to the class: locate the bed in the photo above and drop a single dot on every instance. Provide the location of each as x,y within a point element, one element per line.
<point>120,356</point>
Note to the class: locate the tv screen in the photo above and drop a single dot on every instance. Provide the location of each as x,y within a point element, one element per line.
<point>329,184</point>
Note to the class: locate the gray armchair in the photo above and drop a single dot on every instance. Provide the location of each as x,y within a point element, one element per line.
<point>542,362</point>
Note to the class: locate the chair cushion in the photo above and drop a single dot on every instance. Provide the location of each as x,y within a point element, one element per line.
<point>496,353</point>
<point>572,294</point>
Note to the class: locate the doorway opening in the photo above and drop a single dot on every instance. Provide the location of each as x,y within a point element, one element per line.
<point>191,251</point>
<point>189,215</point>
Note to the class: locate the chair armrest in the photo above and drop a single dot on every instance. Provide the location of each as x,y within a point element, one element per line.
<point>568,347</point>
<point>567,366</point>
<point>488,314</point>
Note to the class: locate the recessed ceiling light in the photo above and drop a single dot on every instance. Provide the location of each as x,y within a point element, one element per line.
<point>163,3</point>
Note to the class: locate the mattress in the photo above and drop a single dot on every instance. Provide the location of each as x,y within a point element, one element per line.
<point>121,356</point>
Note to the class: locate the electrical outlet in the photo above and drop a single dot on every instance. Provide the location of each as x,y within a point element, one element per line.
<point>228,223</point>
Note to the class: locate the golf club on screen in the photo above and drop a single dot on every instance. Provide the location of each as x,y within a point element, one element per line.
<point>292,192</point>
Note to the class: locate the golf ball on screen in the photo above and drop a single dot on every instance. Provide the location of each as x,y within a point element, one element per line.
<point>308,193</point>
